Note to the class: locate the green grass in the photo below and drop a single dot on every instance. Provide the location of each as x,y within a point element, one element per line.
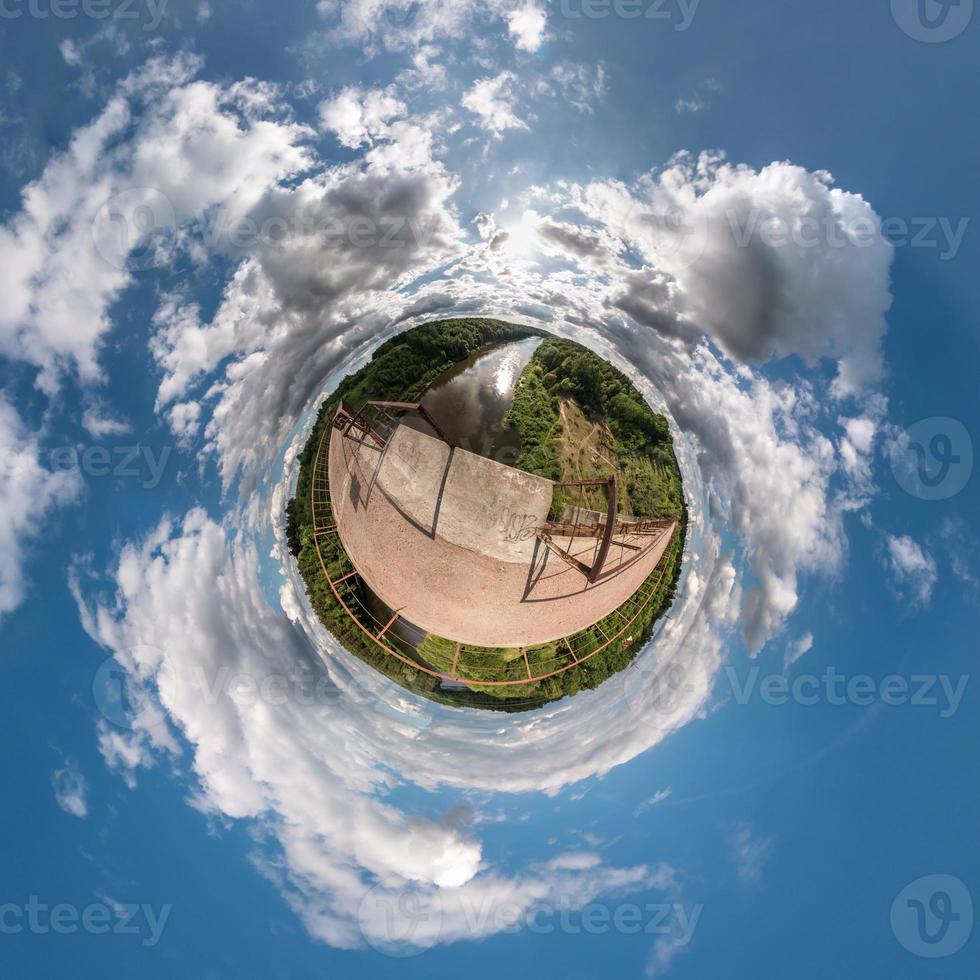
<point>633,441</point>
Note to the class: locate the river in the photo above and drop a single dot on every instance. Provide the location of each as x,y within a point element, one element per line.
<point>470,400</point>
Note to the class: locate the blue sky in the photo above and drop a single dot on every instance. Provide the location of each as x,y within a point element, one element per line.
<point>776,784</point>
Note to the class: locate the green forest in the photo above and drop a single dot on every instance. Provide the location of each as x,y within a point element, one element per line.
<point>576,414</point>
<point>579,418</point>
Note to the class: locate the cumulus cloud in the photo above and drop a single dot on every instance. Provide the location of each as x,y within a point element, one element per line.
<point>70,789</point>
<point>271,740</point>
<point>767,263</point>
<point>29,493</point>
<point>99,422</point>
<point>358,116</point>
<point>68,253</point>
<point>912,570</point>
<point>527,26</point>
<point>302,301</point>
<point>492,101</point>
<point>400,25</point>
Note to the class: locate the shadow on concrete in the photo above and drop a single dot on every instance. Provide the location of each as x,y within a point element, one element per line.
<point>355,460</point>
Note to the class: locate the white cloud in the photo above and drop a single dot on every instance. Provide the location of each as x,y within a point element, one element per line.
<point>698,100</point>
<point>578,85</point>
<point>750,853</point>
<point>960,548</point>
<point>67,254</point>
<point>306,769</point>
<point>912,569</point>
<point>796,649</point>
<point>424,73</point>
<point>575,861</point>
<point>662,955</point>
<point>299,305</point>
<point>659,797</point>
<point>492,101</point>
<point>185,421</point>
<point>689,105</point>
<point>29,493</point>
<point>527,25</point>
<point>360,116</point>
<point>99,422</point>
<point>406,25</point>
<point>125,752</point>
<point>767,263</point>
<point>70,789</point>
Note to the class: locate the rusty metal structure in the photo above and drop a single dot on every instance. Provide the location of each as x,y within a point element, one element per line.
<point>383,421</point>
<point>607,531</point>
<point>546,534</point>
<point>572,651</point>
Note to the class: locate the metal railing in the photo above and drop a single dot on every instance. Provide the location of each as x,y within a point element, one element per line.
<point>577,648</point>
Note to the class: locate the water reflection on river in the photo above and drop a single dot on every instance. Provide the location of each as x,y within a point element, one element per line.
<point>471,399</point>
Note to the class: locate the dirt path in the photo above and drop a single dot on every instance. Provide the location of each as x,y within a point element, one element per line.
<point>572,448</point>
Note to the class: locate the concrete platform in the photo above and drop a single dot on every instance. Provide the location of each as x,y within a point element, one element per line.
<point>449,539</point>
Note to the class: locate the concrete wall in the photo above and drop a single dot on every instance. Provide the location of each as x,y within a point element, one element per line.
<point>465,499</point>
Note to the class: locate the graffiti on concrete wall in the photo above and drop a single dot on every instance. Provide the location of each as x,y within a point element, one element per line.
<point>515,526</point>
